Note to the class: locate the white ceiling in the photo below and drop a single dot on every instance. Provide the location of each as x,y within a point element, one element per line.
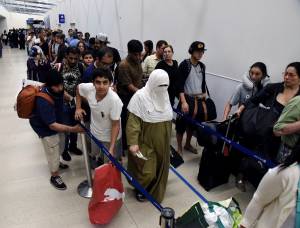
<point>37,7</point>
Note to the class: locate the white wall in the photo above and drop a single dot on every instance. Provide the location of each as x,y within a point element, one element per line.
<point>237,33</point>
<point>14,20</point>
<point>3,21</point>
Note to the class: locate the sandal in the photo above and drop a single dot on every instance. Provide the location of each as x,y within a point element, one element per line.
<point>190,149</point>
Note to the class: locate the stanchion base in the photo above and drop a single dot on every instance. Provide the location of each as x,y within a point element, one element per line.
<point>84,189</point>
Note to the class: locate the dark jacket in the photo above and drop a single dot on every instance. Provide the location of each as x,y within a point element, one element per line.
<point>37,72</point>
<point>267,96</point>
<point>183,73</point>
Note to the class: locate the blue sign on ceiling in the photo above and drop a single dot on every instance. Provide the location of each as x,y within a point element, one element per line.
<point>61,18</point>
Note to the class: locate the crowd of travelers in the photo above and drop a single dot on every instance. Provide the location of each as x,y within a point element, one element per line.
<point>127,104</point>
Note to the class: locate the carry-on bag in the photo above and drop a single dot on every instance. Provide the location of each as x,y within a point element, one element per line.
<point>108,194</point>
<point>215,163</point>
<point>225,214</point>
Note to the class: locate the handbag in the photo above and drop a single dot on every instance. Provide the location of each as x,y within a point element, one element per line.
<point>212,214</point>
<point>175,158</point>
<point>207,110</point>
<point>108,194</point>
<point>258,120</point>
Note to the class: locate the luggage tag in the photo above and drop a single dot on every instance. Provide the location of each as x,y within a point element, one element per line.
<point>141,156</point>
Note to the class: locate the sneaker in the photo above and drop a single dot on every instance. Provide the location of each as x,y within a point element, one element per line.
<point>75,151</point>
<point>66,156</point>
<point>58,183</point>
<point>140,197</point>
<point>63,166</point>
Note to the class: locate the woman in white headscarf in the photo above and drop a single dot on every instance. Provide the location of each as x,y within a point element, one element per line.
<point>148,132</point>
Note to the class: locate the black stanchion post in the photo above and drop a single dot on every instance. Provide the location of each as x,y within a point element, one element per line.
<point>85,188</point>
<point>167,218</point>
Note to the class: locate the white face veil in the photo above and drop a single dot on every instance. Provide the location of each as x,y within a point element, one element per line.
<point>152,103</point>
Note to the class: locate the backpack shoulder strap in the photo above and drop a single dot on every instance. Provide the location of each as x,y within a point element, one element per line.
<point>46,97</point>
<point>204,84</point>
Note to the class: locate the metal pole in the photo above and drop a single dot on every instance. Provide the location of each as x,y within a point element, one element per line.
<point>85,188</point>
<point>167,218</point>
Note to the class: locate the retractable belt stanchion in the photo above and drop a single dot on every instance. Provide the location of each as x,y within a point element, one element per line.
<point>167,218</point>
<point>85,188</point>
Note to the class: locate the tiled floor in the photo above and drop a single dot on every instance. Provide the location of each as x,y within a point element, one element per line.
<point>28,200</point>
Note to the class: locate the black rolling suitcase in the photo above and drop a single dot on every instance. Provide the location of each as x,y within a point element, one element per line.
<point>215,162</point>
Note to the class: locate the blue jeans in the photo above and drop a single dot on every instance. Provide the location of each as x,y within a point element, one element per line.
<point>69,119</point>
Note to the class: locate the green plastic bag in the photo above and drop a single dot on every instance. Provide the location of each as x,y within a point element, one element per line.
<point>225,214</point>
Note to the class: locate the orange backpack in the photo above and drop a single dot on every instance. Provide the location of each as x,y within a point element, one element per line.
<point>26,100</point>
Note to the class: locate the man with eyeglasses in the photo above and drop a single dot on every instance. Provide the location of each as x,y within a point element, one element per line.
<point>103,59</point>
<point>102,41</point>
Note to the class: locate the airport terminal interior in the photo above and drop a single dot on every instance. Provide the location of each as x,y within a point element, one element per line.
<point>231,72</point>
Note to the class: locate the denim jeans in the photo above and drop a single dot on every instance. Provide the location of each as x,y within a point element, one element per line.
<point>69,119</point>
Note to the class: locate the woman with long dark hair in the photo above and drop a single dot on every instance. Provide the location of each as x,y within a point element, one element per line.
<point>288,124</point>
<point>148,46</point>
<point>252,82</point>
<point>275,97</point>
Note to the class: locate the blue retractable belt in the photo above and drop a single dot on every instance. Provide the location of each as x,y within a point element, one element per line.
<point>189,185</point>
<point>134,182</point>
<point>237,146</point>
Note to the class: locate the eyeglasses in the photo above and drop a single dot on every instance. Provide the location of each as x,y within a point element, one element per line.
<point>289,74</point>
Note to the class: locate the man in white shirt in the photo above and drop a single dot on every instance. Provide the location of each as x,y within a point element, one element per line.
<point>106,107</point>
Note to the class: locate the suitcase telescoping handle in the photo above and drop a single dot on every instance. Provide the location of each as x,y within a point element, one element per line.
<point>230,120</point>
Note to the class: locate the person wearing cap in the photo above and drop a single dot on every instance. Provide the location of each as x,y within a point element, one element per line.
<point>47,122</point>
<point>128,79</point>
<point>152,60</point>
<point>102,38</point>
<point>191,85</point>
<point>148,135</point>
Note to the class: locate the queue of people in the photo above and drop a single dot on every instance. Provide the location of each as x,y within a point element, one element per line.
<point>128,103</point>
